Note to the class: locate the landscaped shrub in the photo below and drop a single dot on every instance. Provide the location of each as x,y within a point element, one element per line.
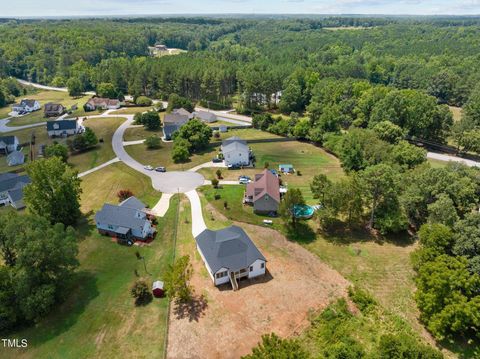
<point>143,101</point>
<point>153,142</point>
<point>123,194</point>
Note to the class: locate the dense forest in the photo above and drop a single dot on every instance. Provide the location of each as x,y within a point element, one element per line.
<point>360,87</point>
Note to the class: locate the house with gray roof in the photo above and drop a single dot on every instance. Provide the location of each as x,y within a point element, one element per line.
<point>63,128</point>
<point>53,109</point>
<point>11,189</point>
<point>129,221</point>
<point>205,116</point>
<point>173,122</point>
<point>235,152</point>
<point>230,255</point>
<point>26,106</point>
<point>8,144</point>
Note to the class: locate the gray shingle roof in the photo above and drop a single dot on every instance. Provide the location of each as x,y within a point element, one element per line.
<point>16,195</point>
<point>228,248</point>
<point>234,144</point>
<point>232,140</point>
<point>204,115</point>
<point>8,140</point>
<point>119,216</point>
<point>25,103</point>
<point>175,118</point>
<point>8,182</point>
<point>133,202</point>
<point>62,125</point>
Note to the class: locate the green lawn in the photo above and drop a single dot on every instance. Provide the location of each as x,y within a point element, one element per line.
<point>140,133</point>
<point>307,159</point>
<point>104,127</point>
<point>437,163</point>
<point>131,110</point>
<point>163,156</point>
<point>99,318</point>
<point>247,134</point>
<point>102,186</point>
<point>44,97</point>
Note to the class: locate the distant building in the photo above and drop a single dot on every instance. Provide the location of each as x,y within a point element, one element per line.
<point>229,255</point>
<point>26,106</point>
<point>127,221</point>
<point>161,47</point>
<point>16,158</point>
<point>63,128</point>
<point>11,189</point>
<point>8,144</point>
<point>53,109</point>
<point>235,152</point>
<point>264,193</point>
<point>205,116</point>
<point>100,103</point>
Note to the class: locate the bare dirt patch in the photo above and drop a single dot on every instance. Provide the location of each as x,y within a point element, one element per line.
<point>228,324</point>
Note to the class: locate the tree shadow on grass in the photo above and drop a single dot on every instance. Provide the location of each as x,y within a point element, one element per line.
<point>66,314</point>
<point>302,233</point>
<point>84,227</point>
<point>193,309</point>
<point>342,233</point>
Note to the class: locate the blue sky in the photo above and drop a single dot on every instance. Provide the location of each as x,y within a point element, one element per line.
<point>25,8</point>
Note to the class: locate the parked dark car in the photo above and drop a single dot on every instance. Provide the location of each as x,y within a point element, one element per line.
<point>217,160</point>
<point>161,169</point>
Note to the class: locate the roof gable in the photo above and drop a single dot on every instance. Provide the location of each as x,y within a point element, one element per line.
<point>229,248</point>
<point>61,125</point>
<point>264,183</point>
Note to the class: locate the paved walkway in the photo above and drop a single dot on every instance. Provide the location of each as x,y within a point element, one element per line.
<point>5,128</point>
<point>448,158</point>
<point>130,143</point>
<point>208,165</point>
<point>49,88</point>
<point>161,207</point>
<point>198,223</point>
<point>116,159</point>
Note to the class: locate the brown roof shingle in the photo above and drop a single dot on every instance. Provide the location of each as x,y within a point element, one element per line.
<point>264,183</point>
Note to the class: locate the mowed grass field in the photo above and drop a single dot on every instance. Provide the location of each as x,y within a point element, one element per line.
<point>99,318</point>
<point>163,156</point>
<point>132,110</point>
<point>102,187</point>
<point>140,133</point>
<point>307,159</point>
<point>104,128</point>
<point>44,97</point>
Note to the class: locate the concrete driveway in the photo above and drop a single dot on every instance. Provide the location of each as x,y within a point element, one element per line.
<point>168,182</point>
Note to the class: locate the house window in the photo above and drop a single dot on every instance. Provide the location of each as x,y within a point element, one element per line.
<point>110,227</point>
<point>262,265</point>
<point>251,268</point>
<point>266,197</point>
<point>221,275</point>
